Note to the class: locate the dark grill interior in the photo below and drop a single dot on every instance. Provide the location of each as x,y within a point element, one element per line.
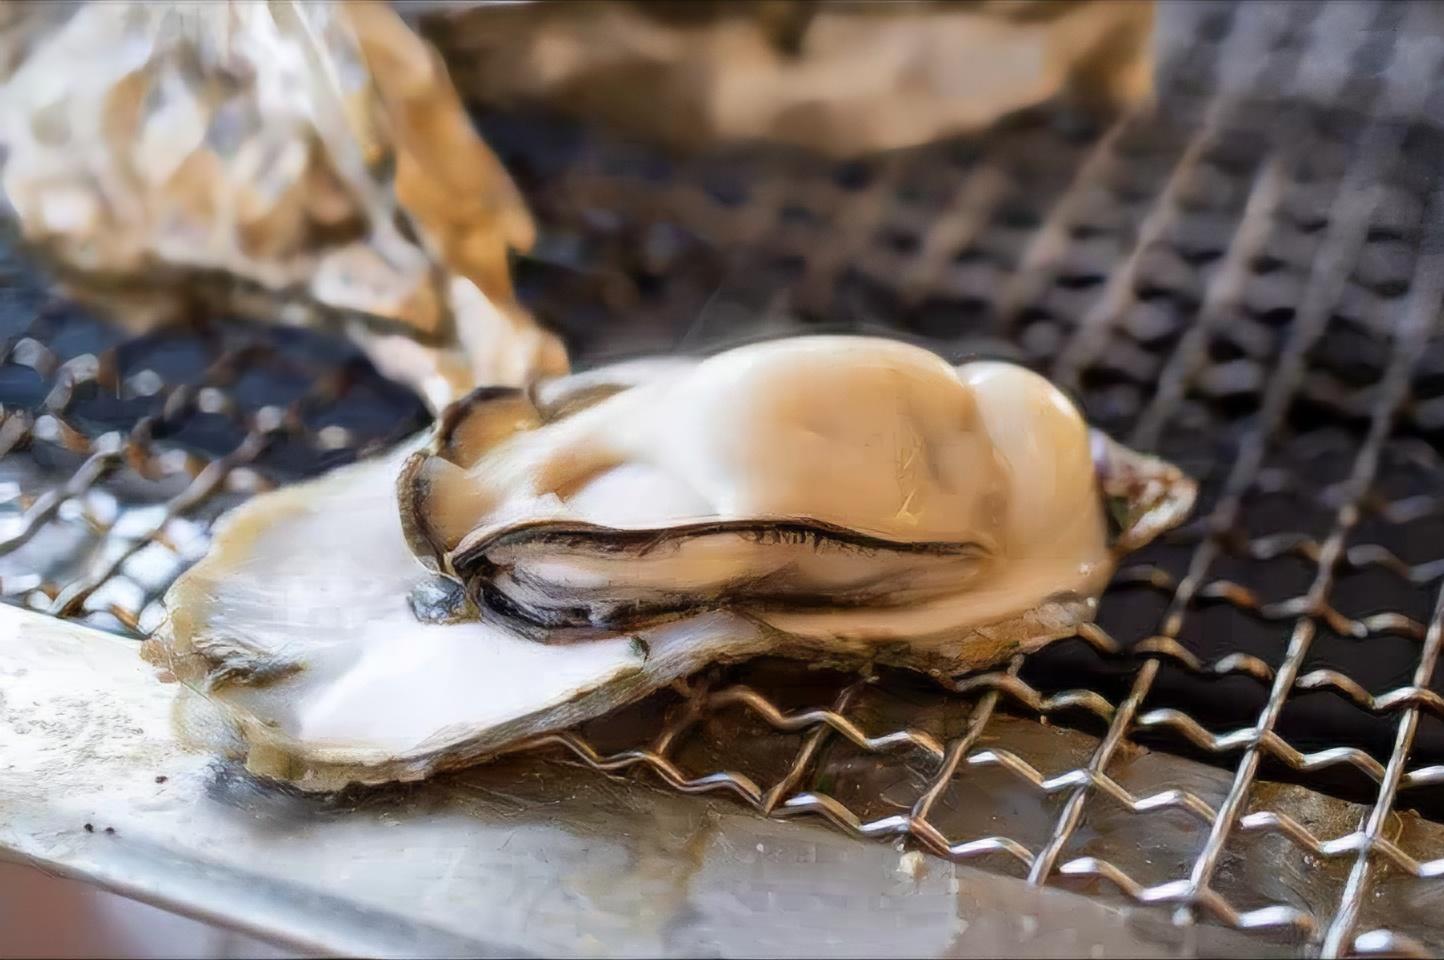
<point>1246,280</point>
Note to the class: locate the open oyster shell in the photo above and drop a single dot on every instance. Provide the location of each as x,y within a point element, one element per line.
<point>549,554</point>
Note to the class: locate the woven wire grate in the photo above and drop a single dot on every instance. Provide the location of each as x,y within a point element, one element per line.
<point>1246,279</point>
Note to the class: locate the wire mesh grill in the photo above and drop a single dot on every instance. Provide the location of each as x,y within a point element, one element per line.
<point>1246,279</point>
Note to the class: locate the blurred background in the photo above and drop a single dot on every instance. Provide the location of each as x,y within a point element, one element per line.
<point>46,916</point>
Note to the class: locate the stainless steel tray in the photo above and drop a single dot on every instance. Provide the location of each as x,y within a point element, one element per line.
<point>541,856</point>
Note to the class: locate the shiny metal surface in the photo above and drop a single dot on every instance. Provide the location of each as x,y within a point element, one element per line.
<point>531,855</point>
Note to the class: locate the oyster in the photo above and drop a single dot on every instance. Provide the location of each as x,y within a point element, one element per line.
<point>295,162</point>
<point>550,553</point>
<point>844,78</point>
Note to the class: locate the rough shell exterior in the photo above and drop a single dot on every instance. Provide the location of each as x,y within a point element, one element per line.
<point>257,157</point>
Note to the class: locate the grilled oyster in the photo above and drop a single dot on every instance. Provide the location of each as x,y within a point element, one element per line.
<point>550,553</point>
<point>845,78</point>
<point>300,163</point>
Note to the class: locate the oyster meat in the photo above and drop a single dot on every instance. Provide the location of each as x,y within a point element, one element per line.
<point>549,553</point>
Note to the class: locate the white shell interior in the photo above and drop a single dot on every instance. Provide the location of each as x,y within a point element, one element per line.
<point>319,576</point>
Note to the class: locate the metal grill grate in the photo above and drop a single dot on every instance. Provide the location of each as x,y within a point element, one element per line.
<point>1246,279</point>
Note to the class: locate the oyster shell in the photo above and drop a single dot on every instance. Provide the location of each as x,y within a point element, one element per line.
<point>295,162</point>
<point>845,78</point>
<point>550,553</point>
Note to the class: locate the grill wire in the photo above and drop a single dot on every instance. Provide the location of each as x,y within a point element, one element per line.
<point>1247,280</point>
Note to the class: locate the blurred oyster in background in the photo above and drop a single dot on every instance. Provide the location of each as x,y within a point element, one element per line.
<point>293,162</point>
<point>840,77</point>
